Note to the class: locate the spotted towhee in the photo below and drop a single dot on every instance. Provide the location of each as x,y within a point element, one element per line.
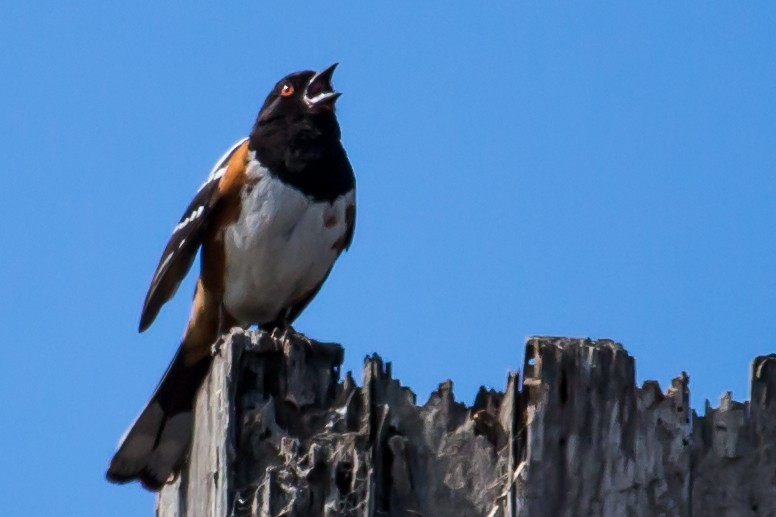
<point>271,218</point>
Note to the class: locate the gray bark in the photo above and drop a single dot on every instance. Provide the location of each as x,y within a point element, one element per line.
<point>278,433</point>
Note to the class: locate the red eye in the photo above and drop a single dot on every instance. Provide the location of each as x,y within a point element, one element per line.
<point>287,90</point>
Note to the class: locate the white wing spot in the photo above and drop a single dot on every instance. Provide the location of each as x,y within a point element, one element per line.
<point>195,214</point>
<point>162,265</point>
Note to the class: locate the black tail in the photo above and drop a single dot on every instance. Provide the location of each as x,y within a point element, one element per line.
<point>156,444</point>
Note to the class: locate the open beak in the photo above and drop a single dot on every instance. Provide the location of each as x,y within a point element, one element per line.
<point>319,95</point>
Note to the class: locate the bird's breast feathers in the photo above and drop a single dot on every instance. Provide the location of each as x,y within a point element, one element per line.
<point>281,246</point>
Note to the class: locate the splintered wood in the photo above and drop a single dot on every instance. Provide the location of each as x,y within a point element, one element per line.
<point>280,433</point>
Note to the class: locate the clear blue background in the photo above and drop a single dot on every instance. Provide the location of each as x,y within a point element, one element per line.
<point>602,170</point>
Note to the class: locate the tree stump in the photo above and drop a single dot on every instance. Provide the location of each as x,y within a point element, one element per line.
<point>279,433</point>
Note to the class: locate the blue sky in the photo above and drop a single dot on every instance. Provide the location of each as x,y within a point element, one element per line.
<point>585,169</point>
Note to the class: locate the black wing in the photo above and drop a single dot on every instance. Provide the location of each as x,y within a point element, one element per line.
<point>184,242</point>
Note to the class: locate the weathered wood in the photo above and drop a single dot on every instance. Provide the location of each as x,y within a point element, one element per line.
<point>597,444</point>
<point>279,433</point>
<point>204,487</point>
<point>734,450</point>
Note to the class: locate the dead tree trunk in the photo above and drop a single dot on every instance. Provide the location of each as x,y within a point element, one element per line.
<point>279,434</point>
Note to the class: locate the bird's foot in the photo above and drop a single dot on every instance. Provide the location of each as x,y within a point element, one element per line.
<point>283,335</point>
<point>279,333</point>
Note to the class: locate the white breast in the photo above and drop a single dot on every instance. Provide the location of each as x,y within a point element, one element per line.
<point>280,248</point>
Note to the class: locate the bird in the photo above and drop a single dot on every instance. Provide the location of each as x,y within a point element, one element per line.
<point>272,217</point>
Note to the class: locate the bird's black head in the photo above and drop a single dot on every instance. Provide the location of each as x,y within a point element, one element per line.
<point>297,137</point>
<point>301,95</point>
